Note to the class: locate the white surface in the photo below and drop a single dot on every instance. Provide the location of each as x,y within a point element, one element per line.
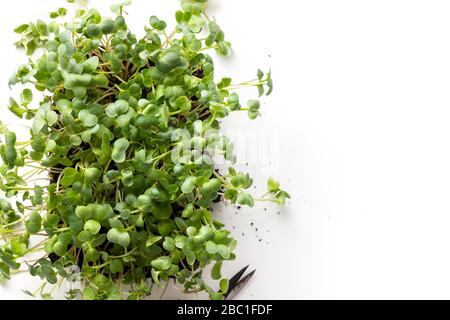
<point>362,105</point>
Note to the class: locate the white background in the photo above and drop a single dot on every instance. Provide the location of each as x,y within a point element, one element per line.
<point>362,111</point>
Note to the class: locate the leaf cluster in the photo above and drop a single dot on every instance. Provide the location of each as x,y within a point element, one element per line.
<point>115,202</point>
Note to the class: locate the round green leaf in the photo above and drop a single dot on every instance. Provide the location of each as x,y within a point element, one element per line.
<point>93,31</point>
<point>92,226</point>
<point>168,61</point>
<point>211,247</point>
<point>33,224</point>
<point>116,266</point>
<point>162,211</point>
<point>26,97</point>
<point>188,185</point>
<point>245,199</point>
<point>87,119</point>
<point>120,237</point>
<point>119,150</point>
<point>161,263</point>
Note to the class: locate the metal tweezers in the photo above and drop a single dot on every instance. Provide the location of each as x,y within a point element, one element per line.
<point>237,284</point>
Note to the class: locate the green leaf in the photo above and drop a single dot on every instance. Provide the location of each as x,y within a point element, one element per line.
<point>120,237</point>
<point>51,117</point>
<point>224,82</point>
<point>245,199</point>
<point>76,140</point>
<point>38,124</point>
<point>116,266</point>
<point>190,257</point>
<point>85,236</point>
<point>18,248</point>
<point>9,260</point>
<point>260,74</point>
<point>119,150</point>
<point>2,128</point>
<point>60,248</point>
<point>91,254</point>
<point>273,185</point>
<point>211,186</point>
<point>107,26</point>
<point>33,223</point>
<point>66,36</point>
<point>161,263</point>
<point>49,274</point>
<point>115,223</point>
<point>224,285</point>
<point>281,198</point>
<point>22,28</point>
<point>188,185</point>
<point>233,102</point>
<point>254,105</point>
<point>191,231</point>
<point>216,271</point>
<point>269,83</point>
<point>117,108</point>
<point>224,251</point>
<point>157,24</point>
<point>84,212</point>
<point>10,138</point>
<point>180,241</point>
<point>188,211</point>
<point>260,90</point>
<point>14,108</point>
<point>211,247</point>
<point>92,226</point>
<point>93,30</point>
<point>152,240</point>
<point>68,176</point>
<point>87,119</point>
<point>26,97</point>
<point>183,104</point>
<point>91,64</point>
<point>155,276</point>
<point>169,244</point>
<point>92,174</point>
<point>168,61</point>
<point>127,177</point>
<point>162,211</point>
<point>89,293</point>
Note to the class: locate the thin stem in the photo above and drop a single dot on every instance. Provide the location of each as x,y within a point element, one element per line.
<point>208,48</point>
<point>124,255</point>
<point>58,181</point>
<point>169,38</point>
<point>165,289</point>
<point>160,157</point>
<point>37,245</point>
<point>223,180</point>
<point>104,96</point>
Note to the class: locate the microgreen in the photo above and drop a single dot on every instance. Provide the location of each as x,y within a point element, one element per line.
<point>121,131</point>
